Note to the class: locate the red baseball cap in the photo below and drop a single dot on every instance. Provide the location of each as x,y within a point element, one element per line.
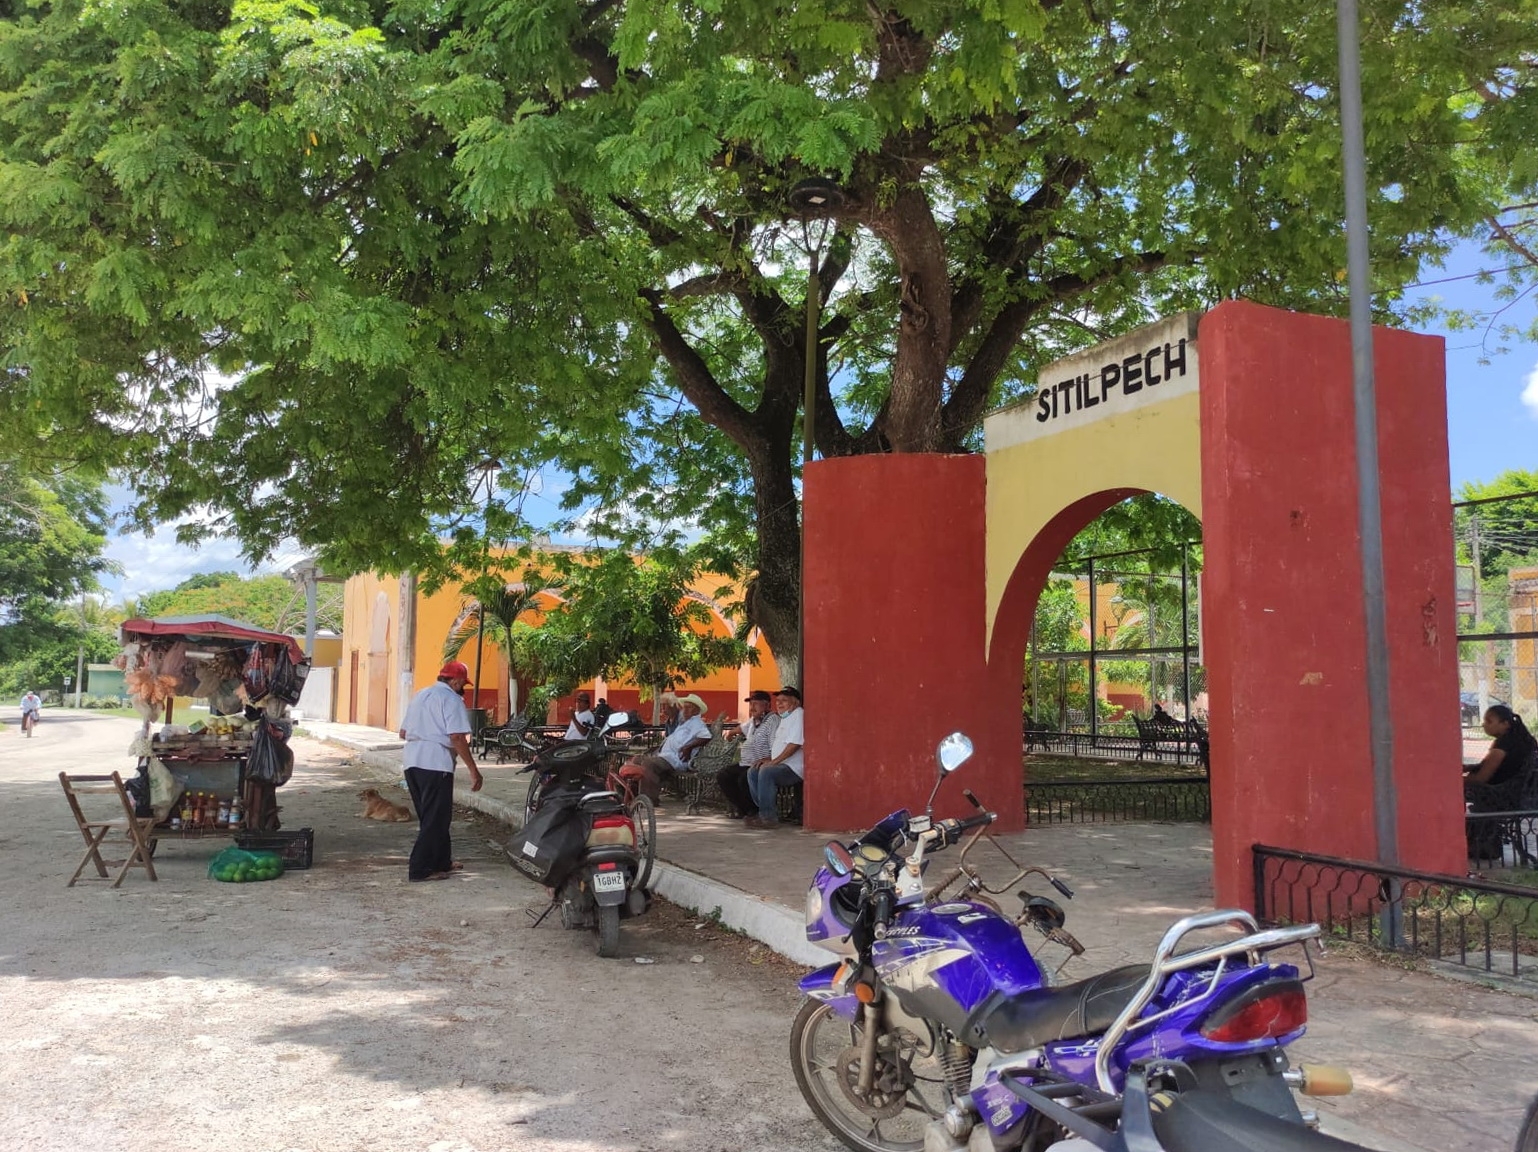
<point>453,670</point>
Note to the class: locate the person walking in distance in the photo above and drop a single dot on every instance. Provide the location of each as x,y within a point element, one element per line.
<point>783,765</point>
<point>436,730</point>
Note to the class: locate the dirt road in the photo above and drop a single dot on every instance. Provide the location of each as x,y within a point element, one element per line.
<point>341,1009</point>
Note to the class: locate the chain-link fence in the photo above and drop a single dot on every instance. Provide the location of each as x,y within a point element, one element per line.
<point>1495,544</point>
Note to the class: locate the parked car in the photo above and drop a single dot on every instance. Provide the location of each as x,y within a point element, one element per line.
<point>1468,706</point>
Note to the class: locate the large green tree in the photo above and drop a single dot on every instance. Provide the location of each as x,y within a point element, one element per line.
<point>304,265</point>
<point>269,601</point>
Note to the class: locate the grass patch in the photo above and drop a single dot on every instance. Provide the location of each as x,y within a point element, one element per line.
<point>1043,768</point>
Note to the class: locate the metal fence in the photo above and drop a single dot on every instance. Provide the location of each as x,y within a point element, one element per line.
<point>1495,543</point>
<point>1502,840</point>
<point>1182,798</point>
<point>1476,923</point>
<point>1174,748</point>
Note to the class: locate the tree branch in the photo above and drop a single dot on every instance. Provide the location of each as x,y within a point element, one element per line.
<point>695,378</point>
<point>969,398</point>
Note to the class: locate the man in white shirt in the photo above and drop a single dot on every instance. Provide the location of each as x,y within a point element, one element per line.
<point>436,729</point>
<point>581,718</point>
<point>757,737</point>
<point>677,750</point>
<point>783,765</point>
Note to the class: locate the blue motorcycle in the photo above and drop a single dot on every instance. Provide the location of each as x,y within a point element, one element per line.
<point>940,1030</point>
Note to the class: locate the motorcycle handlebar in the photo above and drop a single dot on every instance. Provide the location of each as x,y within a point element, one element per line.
<point>881,911</point>
<point>1060,886</point>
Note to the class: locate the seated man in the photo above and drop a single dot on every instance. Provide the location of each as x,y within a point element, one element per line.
<point>756,736</point>
<point>783,766</point>
<point>677,750</point>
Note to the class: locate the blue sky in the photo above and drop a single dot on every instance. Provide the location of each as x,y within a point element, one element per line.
<point>1492,426</point>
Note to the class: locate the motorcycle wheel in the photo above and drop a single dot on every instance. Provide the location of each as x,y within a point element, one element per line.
<point>1527,1140</point>
<point>608,930</point>
<point>644,815</point>
<point>910,1090</point>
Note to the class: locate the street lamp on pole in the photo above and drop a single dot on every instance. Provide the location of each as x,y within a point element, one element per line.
<point>488,470</point>
<point>816,201</point>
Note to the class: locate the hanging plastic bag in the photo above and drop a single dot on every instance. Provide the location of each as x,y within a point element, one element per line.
<point>255,675</point>
<point>271,760</point>
<point>287,677</point>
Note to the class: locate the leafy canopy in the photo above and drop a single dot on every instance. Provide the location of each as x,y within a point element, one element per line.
<point>302,266</point>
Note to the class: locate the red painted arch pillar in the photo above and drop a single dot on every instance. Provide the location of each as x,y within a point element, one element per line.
<point>895,644</point>
<point>1284,636</point>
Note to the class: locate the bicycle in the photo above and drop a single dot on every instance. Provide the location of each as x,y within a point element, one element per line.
<point>28,722</point>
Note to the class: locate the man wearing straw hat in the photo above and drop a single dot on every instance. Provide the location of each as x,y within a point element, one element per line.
<point>677,750</point>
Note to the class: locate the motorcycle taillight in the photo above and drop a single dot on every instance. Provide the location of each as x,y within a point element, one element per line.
<point>612,822</point>
<point>1270,1011</point>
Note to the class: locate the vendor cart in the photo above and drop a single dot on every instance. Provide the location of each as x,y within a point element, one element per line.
<point>213,776</point>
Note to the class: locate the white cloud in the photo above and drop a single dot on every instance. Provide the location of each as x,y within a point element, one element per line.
<point>156,562</point>
<point>1530,392</point>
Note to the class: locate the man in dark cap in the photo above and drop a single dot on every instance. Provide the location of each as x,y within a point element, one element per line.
<point>783,765</point>
<point>756,735</point>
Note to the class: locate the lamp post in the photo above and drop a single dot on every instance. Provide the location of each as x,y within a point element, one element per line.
<point>816,201</point>
<point>1369,495</point>
<point>488,470</point>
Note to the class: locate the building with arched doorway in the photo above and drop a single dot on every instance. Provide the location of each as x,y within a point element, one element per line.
<point>394,633</point>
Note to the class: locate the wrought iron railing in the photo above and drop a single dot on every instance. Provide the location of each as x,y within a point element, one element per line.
<point>1474,922</point>
<point>1103,801</point>
<point>1502,840</point>
<point>1173,748</point>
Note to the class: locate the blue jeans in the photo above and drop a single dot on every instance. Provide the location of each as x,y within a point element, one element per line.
<point>763,783</point>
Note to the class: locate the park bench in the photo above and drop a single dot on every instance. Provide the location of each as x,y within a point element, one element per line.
<point>1162,736</point>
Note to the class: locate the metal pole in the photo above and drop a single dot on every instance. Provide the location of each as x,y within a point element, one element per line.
<point>1185,628</point>
<point>1094,628</point>
<point>309,611</point>
<point>1369,495</point>
<point>808,432</point>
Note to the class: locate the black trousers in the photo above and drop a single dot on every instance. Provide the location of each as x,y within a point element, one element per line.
<point>733,782</point>
<point>433,795</point>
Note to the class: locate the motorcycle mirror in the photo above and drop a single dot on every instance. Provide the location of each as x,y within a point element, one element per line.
<point>616,719</point>
<point>840,863</point>
<point>954,751</point>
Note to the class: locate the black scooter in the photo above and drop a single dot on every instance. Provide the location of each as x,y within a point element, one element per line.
<point>579,842</point>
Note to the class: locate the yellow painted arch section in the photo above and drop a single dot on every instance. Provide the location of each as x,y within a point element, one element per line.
<point>1156,448</point>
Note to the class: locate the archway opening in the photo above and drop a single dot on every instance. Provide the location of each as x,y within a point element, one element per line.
<point>1114,637</point>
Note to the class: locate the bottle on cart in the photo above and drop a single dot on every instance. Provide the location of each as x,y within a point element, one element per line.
<point>235,812</point>
<point>186,811</point>
<point>223,819</point>
<point>203,820</point>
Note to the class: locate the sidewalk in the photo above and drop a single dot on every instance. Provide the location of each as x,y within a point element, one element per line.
<point>1439,1064</point>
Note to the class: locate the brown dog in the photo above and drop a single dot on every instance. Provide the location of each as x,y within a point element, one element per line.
<point>376,807</point>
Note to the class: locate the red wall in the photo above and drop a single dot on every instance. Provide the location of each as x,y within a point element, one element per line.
<point>895,653</point>
<point>1283,627</point>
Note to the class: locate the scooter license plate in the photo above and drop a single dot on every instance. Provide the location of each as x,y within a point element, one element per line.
<point>608,881</point>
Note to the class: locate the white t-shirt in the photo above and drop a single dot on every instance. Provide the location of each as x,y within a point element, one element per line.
<point>790,731</point>
<point>583,718</point>
<point>687,732</point>
<point>434,714</point>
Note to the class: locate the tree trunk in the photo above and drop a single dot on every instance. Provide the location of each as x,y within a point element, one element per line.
<point>774,602</point>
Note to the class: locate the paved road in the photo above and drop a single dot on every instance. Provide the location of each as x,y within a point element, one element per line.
<point>342,1009</point>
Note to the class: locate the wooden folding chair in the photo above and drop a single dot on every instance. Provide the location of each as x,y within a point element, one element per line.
<point>138,838</point>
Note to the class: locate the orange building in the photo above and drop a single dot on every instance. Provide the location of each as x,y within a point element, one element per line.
<point>393,637</point>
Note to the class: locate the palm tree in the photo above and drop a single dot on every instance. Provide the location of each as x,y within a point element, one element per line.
<point>499,606</point>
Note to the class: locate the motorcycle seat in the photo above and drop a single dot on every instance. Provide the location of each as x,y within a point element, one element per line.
<point>1031,1019</point>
